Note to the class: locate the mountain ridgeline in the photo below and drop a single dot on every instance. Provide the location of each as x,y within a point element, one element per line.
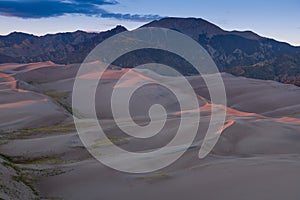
<point>241,53</point>
<point>61,48</point>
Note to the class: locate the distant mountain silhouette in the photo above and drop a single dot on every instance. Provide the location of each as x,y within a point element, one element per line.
<point>242,53</point>
<point>62,48</point>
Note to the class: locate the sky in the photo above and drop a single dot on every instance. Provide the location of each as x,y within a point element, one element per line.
<point>278,19</point>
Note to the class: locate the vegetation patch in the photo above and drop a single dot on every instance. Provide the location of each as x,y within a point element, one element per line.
<point>56,95</point>
<point>5,157</point>
<point>20,176</point>
<point>158,176</point>
<point>49,129</point>
<point>41,161</point>
<point>60,97</point>
<point>37,131</point>
<point>27,177</point>
<point>295,113</point>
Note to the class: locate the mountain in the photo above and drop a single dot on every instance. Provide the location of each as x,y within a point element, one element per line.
<point>62,48</point>
<point>227,48</point>
<point>236,52</point>
<point>283,68</point>
<point>197,26</point>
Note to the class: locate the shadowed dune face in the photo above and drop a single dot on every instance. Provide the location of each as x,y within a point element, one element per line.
<point>257,152</point>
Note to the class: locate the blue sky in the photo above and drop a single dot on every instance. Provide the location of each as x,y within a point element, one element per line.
<point>279,19</point>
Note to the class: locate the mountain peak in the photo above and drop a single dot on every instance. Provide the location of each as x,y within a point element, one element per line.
<point>190,26</point>
<point>198,26</point>
<point>246,34</point>
<point>119,28</point>
<point>19,33</point>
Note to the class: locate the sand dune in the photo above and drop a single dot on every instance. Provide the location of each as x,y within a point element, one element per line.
<point>22,108</point>
<point>257,156</point>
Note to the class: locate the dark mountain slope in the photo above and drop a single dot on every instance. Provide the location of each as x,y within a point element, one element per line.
<point>227,48</point>
<point>283,68</point>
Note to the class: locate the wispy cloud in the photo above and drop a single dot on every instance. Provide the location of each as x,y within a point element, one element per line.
<point>54,8</point>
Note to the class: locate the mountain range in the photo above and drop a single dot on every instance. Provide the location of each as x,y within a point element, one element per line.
<point>242,53</point>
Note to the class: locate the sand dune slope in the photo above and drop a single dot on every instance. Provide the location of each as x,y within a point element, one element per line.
<point>22,108</point>
<point>256,157</point>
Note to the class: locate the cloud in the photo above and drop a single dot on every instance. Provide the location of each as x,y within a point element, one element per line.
<point>54,8</point>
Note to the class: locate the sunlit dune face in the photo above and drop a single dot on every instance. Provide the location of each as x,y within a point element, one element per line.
<point>9,85</point>
<point>114,74</point>
<point>234,114</point>
<point>226,125</point>
<point>18,104</point>
<point>242,114</point>
<point>16,68</point>
<point>35,66</point>
<point>132,78</point>
<point>288,120</point>
<point>126,77</point>
<point>6,78</point>
<point>9,66</point>
<point>230,111</point>
<point>8,81</point>
<point>108,74</point>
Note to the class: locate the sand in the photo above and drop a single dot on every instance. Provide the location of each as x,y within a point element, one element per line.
<point>24,108</point>
<point>257,156</point>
